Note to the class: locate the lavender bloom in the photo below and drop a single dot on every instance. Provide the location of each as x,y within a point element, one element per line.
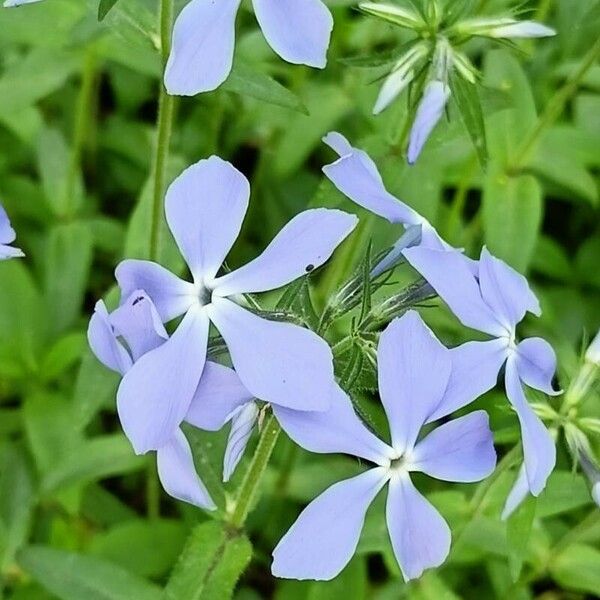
<point>7,237</point>
<point>429,112</point>
<point>278,362</point>
<point>494,301</point>
<point>119,340</point>
<point>414,369</point>
<point>204,37</point>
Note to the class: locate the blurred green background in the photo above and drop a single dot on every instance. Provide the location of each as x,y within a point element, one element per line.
<point>78,103</point>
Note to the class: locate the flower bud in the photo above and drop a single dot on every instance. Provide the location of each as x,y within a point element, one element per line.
<point>592,354</point>
<point>504,27</point>
<point>392,13</point>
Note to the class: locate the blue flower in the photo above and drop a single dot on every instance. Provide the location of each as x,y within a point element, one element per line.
<point>278,362</point>
<point>414,370</point>
<point>204,36</point>
<point>494,300</point>
<point>7,237</point>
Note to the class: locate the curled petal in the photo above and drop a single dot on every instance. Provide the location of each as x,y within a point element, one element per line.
<point>419,534</point>
<point>177,473</point>
<point>517,494</point>
<point>218,395</point>
<point>335,430</point>
<point>461,450</point>
<point>205,208</point>
<point>298,30</point>
<point>202,49</point>
<point>171,296</point>
<point>155,394</point>
<point>536,364</point>
<point>242,426</point>
<point>304,244</point>
<point>324,537</point>
<point>280,363</point>
<point>414,369</point>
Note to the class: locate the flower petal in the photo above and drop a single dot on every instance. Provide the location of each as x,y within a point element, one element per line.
<point>429,112</point>
<point>104,343</point>
<point>156,392</point>
<point>450,276</point>
<point>414,369</point>
<point>461,450</point>
<point>304,244</point>
<point>177,473</point>
<point>539,450</point>
<point>505,291</point>
<point>205,208</point>
<point>356,176</point>
<point>324,537</point>
<point>517,494</point>
<point>338,429</point>
<point>13,3</point>
<point>7,233</point>
<point>475,368</point>
<point>202,49</point>
<point>298,30</point>
<point>138,322</point>
<point>219,394</point>
<point>536,364</point>
<point>419,534</point>
<point>171,296</point>
<point>7,252</point>
<point>242,426</point>
<point>278,362</point>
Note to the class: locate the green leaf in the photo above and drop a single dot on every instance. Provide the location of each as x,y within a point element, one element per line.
<point>211,563</point>
<point>469,106</point>
<point>73,576</point>
<point>147,548</point>
<point>63,354</point>
<point>246,81</point>
<point>104,7</point>
<point>512,215</point>
<point>578,568</point>
<point>350,584</point>
<point>518,532</point>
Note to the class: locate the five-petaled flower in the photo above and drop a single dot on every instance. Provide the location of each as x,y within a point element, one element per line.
<point>278,362</point>
<point>7,237</point>
<point>495,301</point>
<point>121,338</point>
<point>204,37</point>
<point>414,371</point>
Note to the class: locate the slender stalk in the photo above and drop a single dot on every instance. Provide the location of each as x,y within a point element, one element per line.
<point>249,487</point>
<point>164,126</point>
<point>554,108</point>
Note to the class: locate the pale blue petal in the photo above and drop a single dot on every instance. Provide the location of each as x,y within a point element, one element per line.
<point>414,369</point>
<point>461,450</point>
<point>205,208</point>
<point>451,277</point>
<point>324,537</point>
<point>103,341</point>
<point>517,494</point>
<point>242,425</point>
<point>419,534</point>
<point>475,368</point>
<point>219,393</point>
<point>155,394</point>
<point>7,233</point>
<point>298,30</point>
<point>338,429</point>
<point>539,450</point>
<point>202,48</point>
<point>278,362</point>
<point>177,473</point>
<point>13,3</point>
<point>171,296</point>
<point>536,363</point>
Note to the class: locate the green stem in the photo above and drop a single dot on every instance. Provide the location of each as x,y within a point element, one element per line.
<point>249,487</point>
<point>164,126</point>
<point>554,108</point>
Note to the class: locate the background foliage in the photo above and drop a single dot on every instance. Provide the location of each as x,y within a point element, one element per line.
<point>77,114</point>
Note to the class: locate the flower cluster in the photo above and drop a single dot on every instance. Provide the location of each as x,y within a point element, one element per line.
<point>167,380</point>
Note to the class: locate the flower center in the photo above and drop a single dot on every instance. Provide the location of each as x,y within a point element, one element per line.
<point>204,295</point>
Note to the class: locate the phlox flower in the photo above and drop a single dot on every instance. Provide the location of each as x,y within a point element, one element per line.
<point>414,370</point>
<point>7,237</point>
<point>204,36</point>
<point>494,301</point>
<point>278,362</point>
<point>121,338</point>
